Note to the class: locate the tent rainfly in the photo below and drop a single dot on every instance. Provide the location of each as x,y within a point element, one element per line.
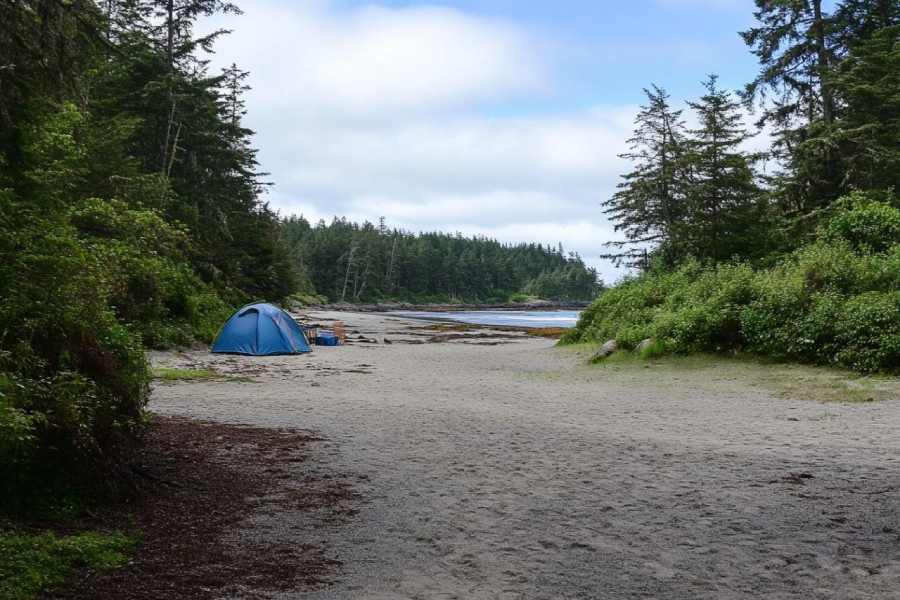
<point>260,330</point>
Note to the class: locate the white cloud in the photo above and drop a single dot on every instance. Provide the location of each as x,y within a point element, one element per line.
<point>378,112</point>
<point>540,177</point>
<point>456,153</point>
<point>376,62</point>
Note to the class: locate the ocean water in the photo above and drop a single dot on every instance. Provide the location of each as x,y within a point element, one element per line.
<point>524,318</point>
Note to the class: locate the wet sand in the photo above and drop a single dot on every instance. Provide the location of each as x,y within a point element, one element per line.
<point>504,468</point>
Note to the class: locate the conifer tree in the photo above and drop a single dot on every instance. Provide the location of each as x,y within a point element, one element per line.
<point>793,43</point>
<point>868,128</point>
<point>188,130</point>
<point>804,97</point>
<point>367,262</point>
<point>724,205</point>
<point>857,21</point>
<point>649,207</point>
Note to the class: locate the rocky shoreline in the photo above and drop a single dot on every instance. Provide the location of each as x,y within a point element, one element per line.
<point>452,307</point>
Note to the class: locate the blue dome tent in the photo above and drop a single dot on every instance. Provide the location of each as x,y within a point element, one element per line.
<point>260,330</point>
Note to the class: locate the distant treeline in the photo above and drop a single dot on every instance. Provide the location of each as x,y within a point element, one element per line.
<point>349,262</point>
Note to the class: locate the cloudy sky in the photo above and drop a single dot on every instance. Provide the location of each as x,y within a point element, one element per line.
<point>494,117</point>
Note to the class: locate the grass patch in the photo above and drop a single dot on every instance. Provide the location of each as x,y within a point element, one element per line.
<point>32,563</point>
<point>665,362</point>
<point>175,375</point>
<point>784,380</point>
<point>655,349</point>
<point>183,375</point>
<point>829,386</point>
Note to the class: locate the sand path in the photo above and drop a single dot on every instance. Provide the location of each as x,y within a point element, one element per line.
<point>514,471</point>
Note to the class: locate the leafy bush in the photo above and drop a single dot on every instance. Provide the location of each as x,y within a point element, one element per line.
<point>153,287</point>
<point>655,349</point>
<point>866,224</point>
<point>522,298</point>
<point>309,299</point>
<point>84,284</point>
<point>833,302</point>
<point>31,563</point>
<point>73,379</point>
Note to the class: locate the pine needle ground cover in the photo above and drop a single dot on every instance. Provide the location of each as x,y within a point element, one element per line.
<point>173,531</point>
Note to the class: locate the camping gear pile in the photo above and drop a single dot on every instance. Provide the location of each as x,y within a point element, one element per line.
<point>336,337</point>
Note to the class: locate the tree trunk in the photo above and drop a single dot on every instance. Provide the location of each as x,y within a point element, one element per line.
<point>174,150</point>
<point>170,31</point>
<point>347,275</point>
<point>170,58</point>
<point>365,275</point>
<point>164,159</point>
<point>391,269</point>
<point>822,54</point>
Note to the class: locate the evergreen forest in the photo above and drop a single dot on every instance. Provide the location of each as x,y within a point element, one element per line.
<point>348,262</point>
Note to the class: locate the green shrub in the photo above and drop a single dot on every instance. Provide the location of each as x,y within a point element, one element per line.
<point>867,332</point>
<point>310,299</point>
<point>84,284</point>
<point>32,563</point>
<point>73,379</point>
<point>834,302</point>
<point>864,223</point>
<point>522,298</point>
<point>655,349</point>
<point>152,286</point>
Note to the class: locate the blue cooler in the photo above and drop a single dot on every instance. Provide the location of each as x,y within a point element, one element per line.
<point>327,339</point>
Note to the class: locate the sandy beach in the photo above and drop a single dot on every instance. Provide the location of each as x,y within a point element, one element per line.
<point>502,467</point>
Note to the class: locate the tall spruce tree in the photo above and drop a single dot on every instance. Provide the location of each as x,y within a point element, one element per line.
<point>857,21</point>
<point>793,43</point>
<point>649,208</point>
<point>725,215</point>
<point>812,78</point>
<point>868,128</point>
<point>188,131</point>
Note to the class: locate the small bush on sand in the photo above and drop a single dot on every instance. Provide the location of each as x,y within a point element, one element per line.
<point>655,349</point>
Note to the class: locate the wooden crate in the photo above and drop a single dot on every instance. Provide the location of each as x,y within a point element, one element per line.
<point>340,331</point>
